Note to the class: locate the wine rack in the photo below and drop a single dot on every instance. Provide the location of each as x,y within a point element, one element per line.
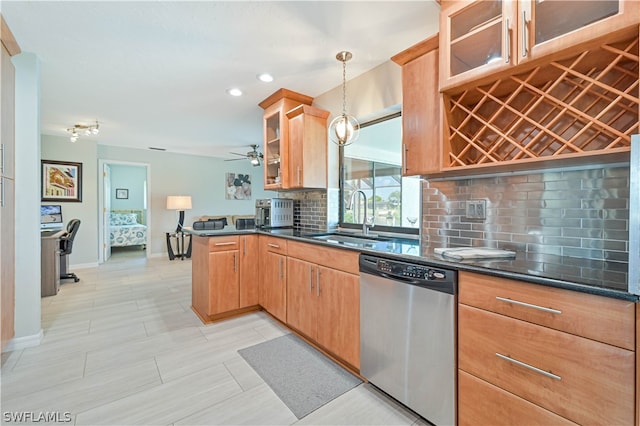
<point>585,104</point>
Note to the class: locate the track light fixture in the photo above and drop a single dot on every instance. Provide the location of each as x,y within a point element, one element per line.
<point>88,130</point>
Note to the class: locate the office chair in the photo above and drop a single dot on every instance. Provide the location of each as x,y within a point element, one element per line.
<point>66,246</point>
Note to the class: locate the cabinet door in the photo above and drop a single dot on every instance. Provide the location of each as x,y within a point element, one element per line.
<point>301,296</point>
<point>307,147</point>
<point>273,292</point>
<point>550,26</point>
<point>273,143</point>
<point>339,313</point>
<point>421,130</point>
<point>249,271</point>
<point>476,39</point>
<point>224,280</point>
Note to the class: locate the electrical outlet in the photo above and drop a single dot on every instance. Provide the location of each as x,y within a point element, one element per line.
<point>476,209</point>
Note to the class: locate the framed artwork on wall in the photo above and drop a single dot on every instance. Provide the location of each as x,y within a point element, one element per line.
<point>238,186</point>
<point>122,194</point>
<point>61,181</point>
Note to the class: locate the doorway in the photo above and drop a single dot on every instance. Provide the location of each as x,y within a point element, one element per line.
<point>125,218</point>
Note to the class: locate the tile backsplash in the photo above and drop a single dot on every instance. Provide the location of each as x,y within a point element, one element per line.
<point>313,210</point>
<point>577,213</point>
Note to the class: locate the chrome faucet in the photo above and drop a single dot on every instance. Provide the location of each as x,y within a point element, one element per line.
<point>366,225</point>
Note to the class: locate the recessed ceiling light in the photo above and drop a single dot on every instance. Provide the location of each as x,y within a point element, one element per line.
<point>265,77</point>
<point>234,91</point>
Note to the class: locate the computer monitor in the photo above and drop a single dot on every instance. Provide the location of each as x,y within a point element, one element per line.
<point>51,217</point>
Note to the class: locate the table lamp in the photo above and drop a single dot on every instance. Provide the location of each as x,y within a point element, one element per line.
<point>179,203</point>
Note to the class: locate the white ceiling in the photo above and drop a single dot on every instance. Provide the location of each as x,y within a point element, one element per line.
<point>155,73</point>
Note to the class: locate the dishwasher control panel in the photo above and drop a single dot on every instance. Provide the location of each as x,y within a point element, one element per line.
<point>410,271</point>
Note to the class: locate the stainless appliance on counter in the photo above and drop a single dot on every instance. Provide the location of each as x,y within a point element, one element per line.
<point>407,334</point>
<point>274,213</point>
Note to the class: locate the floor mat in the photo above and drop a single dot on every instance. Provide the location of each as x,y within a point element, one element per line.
<point>302,377</point>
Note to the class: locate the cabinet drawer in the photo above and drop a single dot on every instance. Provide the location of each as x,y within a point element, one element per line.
<point>273,244</point>
<point>342,260</point>
<point>580,379</point>
<point>481,403</point>
<point>230,242</point>
<point>595,317</point>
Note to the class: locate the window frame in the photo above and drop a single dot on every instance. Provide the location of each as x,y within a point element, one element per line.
<point>341,180</point>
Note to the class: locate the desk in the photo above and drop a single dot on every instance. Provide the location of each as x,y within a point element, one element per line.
<point>50,262</point>
<point>179,243</point>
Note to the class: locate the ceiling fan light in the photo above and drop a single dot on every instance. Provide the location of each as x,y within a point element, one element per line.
<point>74,137</point>
<point>255,161</point>
<point>87,132</point>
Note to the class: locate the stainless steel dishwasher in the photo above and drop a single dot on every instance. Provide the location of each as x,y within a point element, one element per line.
<point>407,334</point>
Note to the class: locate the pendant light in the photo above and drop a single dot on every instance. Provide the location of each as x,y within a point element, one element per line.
<point>344,129</point>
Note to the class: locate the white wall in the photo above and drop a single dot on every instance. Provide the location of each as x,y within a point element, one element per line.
<point>131,178</point>
<point>27,246</point>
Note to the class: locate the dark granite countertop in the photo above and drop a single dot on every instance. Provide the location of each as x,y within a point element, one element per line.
<point>602,278</point>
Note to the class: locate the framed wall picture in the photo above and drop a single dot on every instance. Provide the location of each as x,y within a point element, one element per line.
<point>238,186</point>
<point>61,181</point>
<point>122,194</point>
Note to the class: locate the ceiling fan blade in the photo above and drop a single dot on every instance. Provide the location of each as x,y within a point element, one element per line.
<point>237,153</point>
<point>234,159</point>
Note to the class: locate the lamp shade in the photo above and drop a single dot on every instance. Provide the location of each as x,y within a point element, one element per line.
<point>178,202</point>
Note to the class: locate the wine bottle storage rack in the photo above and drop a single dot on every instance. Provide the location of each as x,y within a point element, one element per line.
<point>586,104</point>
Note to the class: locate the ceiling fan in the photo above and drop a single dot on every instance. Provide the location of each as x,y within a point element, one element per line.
<point>254,156</point>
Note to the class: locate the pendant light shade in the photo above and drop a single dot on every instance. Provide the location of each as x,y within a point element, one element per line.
<point>344,129</point>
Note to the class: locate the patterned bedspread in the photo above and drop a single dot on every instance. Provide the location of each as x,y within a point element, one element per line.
<point>124,230</point>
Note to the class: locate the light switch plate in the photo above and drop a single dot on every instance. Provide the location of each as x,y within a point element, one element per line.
<point>476,209</point>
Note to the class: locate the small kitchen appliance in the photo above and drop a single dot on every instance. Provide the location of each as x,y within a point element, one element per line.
<point>274,213</point>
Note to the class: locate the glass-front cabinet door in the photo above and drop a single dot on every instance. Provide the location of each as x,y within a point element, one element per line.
<point>476,39</point>
<point>273,152</point>
<point>547,26</point>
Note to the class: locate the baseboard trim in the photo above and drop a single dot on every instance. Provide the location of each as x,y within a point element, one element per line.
<point>18,343</point>
<point>83,265</point>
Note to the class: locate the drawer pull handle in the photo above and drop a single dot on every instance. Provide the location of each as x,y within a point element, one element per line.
<point>231,243</point>
<point>273,245</point>
<point>530,367</point>
<point>529,305</point>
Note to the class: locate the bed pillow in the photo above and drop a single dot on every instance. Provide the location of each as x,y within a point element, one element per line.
<point>118,219</point>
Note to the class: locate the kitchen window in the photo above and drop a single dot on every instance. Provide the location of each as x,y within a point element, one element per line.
<point>373,164</point>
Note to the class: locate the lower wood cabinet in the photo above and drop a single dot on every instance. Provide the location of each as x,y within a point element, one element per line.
<point>224,275</point>
<point>249,271</point>
<point>323,302</point>
<point>481,403</point>
<point>527,367</point>
<point>273,284</point>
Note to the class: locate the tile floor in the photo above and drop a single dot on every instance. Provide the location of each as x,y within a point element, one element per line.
<point>122,347</point>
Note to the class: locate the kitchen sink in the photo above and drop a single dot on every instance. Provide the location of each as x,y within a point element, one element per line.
<point>362,241</point>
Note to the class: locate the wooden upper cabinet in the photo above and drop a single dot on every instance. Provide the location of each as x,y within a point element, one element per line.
<point>421,108</point>
<point>307,147</point>
<point>551,26</point>
<point>476,39</point>
<point>479,38</point>
<point>294,142</point>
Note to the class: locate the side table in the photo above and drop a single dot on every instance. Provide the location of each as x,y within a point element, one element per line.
<point>179,244</point>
